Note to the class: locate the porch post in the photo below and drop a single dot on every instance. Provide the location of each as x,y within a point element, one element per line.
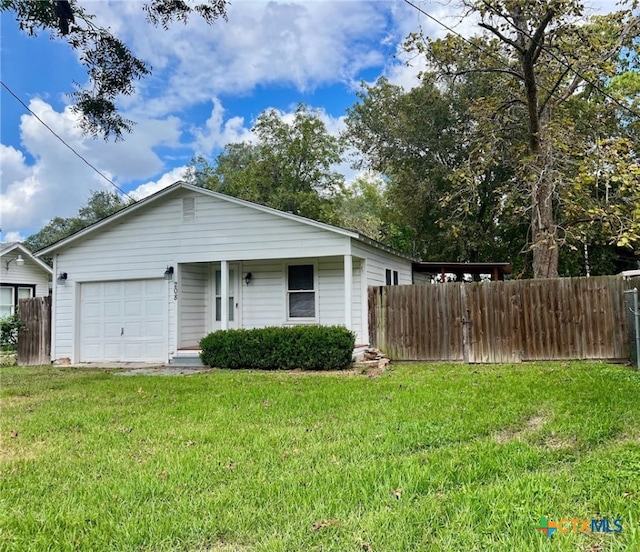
<point>348,290</point>
<point>224,295</point>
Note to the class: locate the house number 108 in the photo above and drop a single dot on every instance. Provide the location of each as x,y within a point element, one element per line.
<point>175,291</point>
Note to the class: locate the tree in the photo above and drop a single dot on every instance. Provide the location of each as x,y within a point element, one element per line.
<point>290,166</point>
<point>441,205</point>
<point>101,204</point>
<point>551,62</point>
<point>111,67</point>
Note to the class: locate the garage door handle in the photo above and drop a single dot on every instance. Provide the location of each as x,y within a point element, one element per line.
<point>121,331</point>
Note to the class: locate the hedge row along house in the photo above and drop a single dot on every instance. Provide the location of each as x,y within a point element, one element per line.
<point>147,283</point>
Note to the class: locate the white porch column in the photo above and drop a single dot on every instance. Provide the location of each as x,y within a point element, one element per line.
<point>348,291</point>
<point>224,295</point>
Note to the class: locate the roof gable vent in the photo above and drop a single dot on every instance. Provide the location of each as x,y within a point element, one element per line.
<point>188,209</point>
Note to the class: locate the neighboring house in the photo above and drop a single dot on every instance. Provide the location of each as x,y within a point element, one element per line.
<point>147,283</point>
<point>21,276</point>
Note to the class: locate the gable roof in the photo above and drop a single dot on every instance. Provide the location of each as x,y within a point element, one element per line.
<point>217,195</point>
<point>17,246</point>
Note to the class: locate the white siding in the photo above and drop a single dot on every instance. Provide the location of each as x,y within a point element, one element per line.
<point>145,242</point>
<point>30,273</point>
<point>264,300</point>
<point>63,315</point>
<point>378,261</point>
<point>194,300</point>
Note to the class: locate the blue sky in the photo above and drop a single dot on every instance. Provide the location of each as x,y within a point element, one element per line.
<point>208,86</point>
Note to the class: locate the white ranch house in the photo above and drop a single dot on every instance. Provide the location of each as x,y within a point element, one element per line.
<point>21,276</point>
<point>147,283</point>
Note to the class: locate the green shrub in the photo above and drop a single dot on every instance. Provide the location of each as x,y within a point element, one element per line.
<point>279,348</point>
<point>9,327</point>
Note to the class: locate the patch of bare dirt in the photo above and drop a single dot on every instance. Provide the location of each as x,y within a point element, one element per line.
<point>556,442</point>
<point>531,425</point>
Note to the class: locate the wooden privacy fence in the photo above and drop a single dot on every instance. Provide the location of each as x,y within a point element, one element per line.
<point>34,338</point>
<point>510,321</point>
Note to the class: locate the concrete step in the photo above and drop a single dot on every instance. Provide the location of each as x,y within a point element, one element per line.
<point>186,359</point>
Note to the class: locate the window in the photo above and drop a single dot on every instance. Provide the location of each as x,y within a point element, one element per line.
<point>11,294</point>
<point>6,301</point>
<point>388,277</point>
<point>395,277</point>
<point>301,295</point>
<point>232,280</point>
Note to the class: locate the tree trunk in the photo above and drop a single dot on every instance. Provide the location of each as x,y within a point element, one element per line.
<point>543,227</point>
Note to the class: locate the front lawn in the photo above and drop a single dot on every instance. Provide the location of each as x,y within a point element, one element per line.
<point>425,457</point>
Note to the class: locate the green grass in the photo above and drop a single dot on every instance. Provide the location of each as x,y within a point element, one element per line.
<point>425,457</point>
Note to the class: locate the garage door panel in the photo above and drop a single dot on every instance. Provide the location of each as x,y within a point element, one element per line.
<point>112,351</point>
<point>91,291</point>
<point>92,352</point>
<point>135,351</point>
<point>154,307</point>
<point>91,309</point>
<point>151,349</point>
<point>92,331</point>
<point>134,289</point>
<point>155,287</point>
<point>124,321</point>
<point>112,309</point>
<point>133,330</point>
<point>111,289</point>
<point>133,308</point>
<point>154,330</point>
<point>112,329</point>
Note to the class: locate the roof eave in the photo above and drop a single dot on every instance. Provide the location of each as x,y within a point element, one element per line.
<point>28,253</point>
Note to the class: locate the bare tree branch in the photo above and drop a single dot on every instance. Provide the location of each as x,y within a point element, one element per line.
<point>502,37</point>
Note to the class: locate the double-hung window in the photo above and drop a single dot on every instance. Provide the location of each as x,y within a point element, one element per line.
<point>301,292</point>
<point>10,295</point>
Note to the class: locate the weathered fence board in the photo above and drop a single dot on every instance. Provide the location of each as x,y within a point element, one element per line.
<point>34,338</point>
<point>511,321</point>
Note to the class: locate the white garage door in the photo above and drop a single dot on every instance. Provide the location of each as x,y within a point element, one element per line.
<point>123,321</point>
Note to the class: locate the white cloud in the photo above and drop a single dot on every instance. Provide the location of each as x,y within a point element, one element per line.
<point>217,132</point>
<point>11,237</point>
<point>152,187</point>
<point>304,44</point>
<point>57,182</point>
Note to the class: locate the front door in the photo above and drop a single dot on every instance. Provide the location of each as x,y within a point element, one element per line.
<point>233,299</point>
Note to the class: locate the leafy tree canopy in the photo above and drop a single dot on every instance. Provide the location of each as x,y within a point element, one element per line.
<point>513,143</point>
<point>100,205</point>
<point>111,67</point>
<point>290,166</point>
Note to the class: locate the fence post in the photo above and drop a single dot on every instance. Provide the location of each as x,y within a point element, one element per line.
<point>636,319</point>
<point>465,324</point>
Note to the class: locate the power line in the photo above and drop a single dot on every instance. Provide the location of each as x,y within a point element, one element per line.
<point>471,43</point>
<point>65,143</point>
<point>541,46</point>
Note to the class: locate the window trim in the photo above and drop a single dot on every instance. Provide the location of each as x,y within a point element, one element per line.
<point>14,298</point>
<point>301,319</point>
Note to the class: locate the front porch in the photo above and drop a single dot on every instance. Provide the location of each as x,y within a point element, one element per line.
<point>269,292</point>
